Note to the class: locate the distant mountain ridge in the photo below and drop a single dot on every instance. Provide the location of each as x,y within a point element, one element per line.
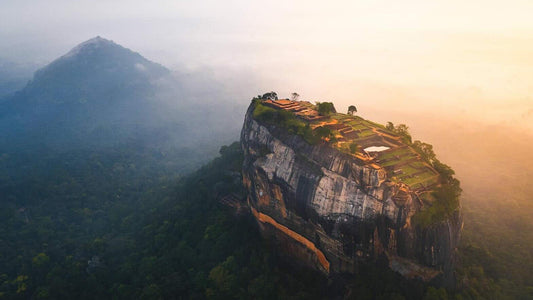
<point>14,76</point>
<point>95,69</point>
<point>100,94</point>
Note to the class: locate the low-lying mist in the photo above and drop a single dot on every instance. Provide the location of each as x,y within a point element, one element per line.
<point>495,167</point>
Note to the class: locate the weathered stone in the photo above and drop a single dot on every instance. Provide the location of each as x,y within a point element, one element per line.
<point>342,211</point>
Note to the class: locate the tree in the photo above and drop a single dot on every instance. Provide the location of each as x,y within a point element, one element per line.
<point>295,96</point>
<point>425,150</point>
<point>324,133</point>
<point>445,171</point>
<point>270,96</point>
<point>40,260</point>
<point>325,108</point>
<point>352,109</point>
<point>436,294</point>
<point>401,130</point>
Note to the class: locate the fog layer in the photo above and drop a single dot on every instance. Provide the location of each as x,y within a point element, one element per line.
<point>468,59</point>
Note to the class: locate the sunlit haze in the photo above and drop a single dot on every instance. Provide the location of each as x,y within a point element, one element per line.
<point>469,59</point>
<point>154,150</point>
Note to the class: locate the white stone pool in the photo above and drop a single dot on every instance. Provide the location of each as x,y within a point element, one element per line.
<point>376,148</point>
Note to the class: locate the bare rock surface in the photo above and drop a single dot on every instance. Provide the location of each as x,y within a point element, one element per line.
<point>333,212</point>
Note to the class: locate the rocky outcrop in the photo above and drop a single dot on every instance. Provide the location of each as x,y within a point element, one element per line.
<point>334,212</point>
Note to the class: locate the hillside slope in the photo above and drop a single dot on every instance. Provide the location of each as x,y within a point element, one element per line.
<point>102,95</point>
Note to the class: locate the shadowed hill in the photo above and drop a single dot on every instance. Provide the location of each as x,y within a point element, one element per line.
<point>102,95</point>
<point>97,70</point>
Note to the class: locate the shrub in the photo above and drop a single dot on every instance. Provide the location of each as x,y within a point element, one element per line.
<point>289,121</point>
<point>264,113</point>
<point>325,108</point>
<point>353,147</point>
<point>446,202</point>
<point>402,130</point>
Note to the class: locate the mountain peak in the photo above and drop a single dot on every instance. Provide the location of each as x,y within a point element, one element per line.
<point>89,71</point>
<point>89,45</point>
<point>97,40</point>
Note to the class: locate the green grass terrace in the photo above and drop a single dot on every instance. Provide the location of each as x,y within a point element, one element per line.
<point>399,160</point>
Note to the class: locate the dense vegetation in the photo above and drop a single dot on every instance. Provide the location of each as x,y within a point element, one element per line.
<point>289,121</point>
<point>121,226</point>
<point>99,227</point>
<point>102,225</point>
<point>495,167</point>
<point>494,255</point>
<point>121,223</point>
<point>60,211</point>
<point>445,198</point>
<point>325,108</point>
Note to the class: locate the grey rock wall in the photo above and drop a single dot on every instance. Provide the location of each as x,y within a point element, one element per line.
<point>346,209</point>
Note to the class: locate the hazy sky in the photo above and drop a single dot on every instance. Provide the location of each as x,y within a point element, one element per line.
<point>467,58</point>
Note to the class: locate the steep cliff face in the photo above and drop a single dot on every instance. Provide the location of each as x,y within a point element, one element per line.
<point>333,212</point>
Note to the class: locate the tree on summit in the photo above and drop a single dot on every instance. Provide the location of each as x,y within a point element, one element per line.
<point>402,130</point>
<point>325,108</point>
<point>295,96</point>
<point>270,96</point>
<point>351,109</point>
<point>425,150</point>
